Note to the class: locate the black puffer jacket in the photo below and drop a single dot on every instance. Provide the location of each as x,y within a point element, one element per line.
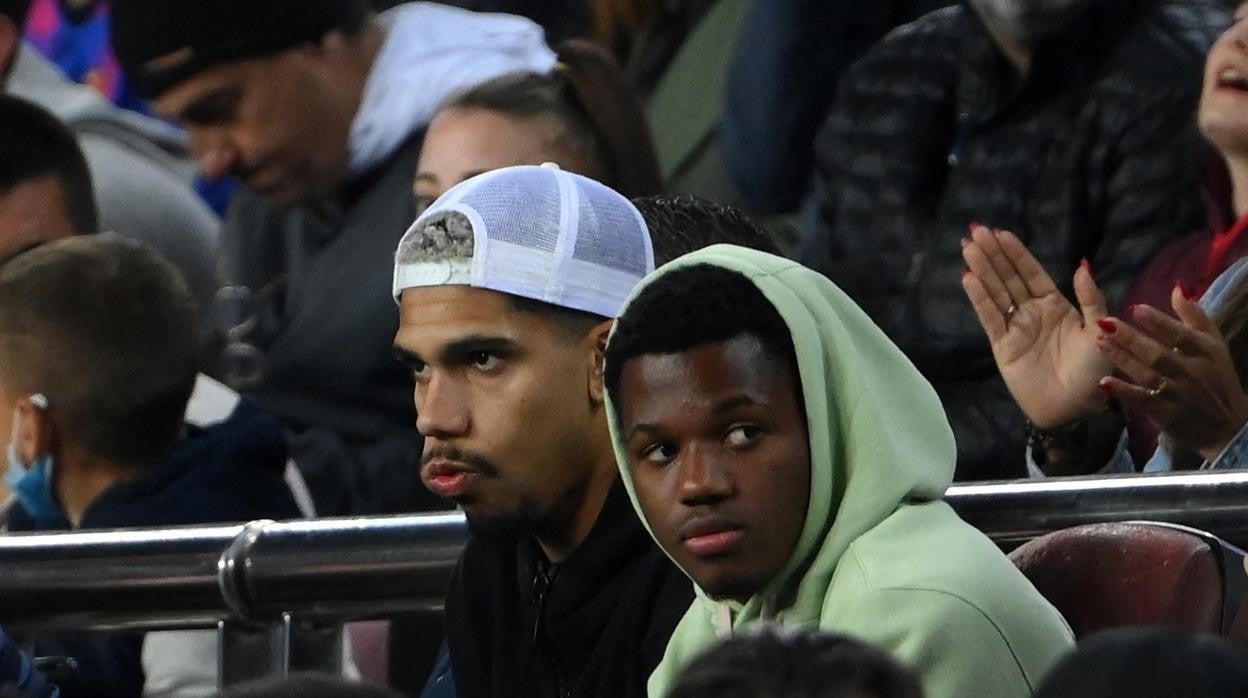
<point>1096,154</point>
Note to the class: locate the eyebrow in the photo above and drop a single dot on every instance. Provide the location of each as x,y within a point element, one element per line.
<point>458,350</point>
<point>720,408</point>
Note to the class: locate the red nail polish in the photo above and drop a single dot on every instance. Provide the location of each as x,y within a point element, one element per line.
<point>1107,326</point>
<point>973,226</point>
<point>1105,388</point>
<point>1087,266</point>
<point>1178,285</point>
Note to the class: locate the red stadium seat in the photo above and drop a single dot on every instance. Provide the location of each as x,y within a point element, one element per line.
<point>1137,573</point>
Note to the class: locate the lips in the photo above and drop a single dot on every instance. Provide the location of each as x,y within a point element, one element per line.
<point>1232,78</point>
<point>448,479</point>
<point>711,536</point>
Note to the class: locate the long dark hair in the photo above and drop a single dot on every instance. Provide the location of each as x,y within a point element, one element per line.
<point>601,115</point>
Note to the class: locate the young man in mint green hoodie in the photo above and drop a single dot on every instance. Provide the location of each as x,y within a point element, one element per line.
<point>790,459</point>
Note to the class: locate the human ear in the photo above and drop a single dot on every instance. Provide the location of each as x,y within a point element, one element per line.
<point>34,436</point>
<point>598,336</point>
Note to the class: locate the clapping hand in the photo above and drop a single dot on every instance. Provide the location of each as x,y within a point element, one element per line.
<point>1045,347</point>
<point>1179,373</point>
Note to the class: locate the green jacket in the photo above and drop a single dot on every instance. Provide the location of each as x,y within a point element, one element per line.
<point>880,556</point>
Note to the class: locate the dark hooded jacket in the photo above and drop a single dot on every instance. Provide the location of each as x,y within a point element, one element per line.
<point>595,625</point>
<point>228,472</point>
<point>1094,154</point>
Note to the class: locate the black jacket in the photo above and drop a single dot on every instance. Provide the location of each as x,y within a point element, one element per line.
<point>1096,155</point>
<point>594,626</point>
<point>229,472</point>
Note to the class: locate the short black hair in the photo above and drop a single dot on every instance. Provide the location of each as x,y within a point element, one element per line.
<point>15,11</point>
<point>105,328</point>
<point>307,685</point>
<point>692,306</point>
<point>683,224</point>
<point>798,665</point>
<point>34,144</point>
<point>1148,663</point>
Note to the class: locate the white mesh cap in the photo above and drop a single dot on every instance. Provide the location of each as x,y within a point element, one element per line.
<point>540,233</point>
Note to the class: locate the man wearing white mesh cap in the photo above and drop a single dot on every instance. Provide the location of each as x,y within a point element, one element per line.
<point>508,286</point>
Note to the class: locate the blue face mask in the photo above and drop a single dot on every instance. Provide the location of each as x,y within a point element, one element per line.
<point>33,485</point>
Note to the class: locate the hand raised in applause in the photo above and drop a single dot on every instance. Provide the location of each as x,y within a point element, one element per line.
<point>1045,347</point>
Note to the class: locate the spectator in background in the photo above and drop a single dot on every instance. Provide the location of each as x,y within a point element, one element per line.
<point>799,664</point>
<point>141,167</point>
<point>1148,663</point>
<point>1186,373</point>
<point>790,459</point>
<point>785,68</point>
<point>45,187</point>
<point>1067,121</point>
<point>97,364</point>
<point>319,107</point>
<point>582,116</point>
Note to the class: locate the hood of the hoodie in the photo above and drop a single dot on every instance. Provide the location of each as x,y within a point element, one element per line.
<point>432,52</point>
<point>878,433</point>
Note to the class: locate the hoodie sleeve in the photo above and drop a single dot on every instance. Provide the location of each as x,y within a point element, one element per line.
<point>17,671</point>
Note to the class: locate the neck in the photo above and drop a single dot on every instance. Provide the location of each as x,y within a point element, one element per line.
<point>1238,167</point>
<point>83,477</point>
<point>569,529</point>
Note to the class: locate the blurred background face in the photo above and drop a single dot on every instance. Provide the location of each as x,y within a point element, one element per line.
<point>719,453</point>
<point>1224,99</point>
<point>503,402</point>
<point>461,143</point>
<point>31,213</point>
<point>277,123</point>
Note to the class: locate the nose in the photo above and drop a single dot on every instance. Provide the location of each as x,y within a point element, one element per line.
<point>442,409</point>
<point>704,477</point>
<point>214,150</point>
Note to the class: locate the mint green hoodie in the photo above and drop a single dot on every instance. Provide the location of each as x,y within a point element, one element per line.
<point>880,556</point>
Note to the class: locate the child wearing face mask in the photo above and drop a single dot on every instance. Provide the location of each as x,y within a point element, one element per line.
<point>97,365</point>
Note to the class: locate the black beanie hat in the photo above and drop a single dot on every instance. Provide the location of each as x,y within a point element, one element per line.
<point>160,43</point>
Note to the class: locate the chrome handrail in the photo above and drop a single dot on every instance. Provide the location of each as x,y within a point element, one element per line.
<point>339,569</point>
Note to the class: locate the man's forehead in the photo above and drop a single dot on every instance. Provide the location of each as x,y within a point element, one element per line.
<point>212,80</point>
<point>443,312</point>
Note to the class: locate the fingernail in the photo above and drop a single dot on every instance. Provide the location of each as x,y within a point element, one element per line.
<point>965,242</point>
<point>1106,388</point>
<point>1107,325</point>
<point>1134,310</point>
<point>1178,286</point>
<point>1087,266</point>
<point>974,226</point>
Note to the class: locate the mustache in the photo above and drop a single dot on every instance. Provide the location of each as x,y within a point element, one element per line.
<point>475,461</point>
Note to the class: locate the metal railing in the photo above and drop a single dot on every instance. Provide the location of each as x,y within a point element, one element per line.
<point>263,574</point>
<point>337,569</point>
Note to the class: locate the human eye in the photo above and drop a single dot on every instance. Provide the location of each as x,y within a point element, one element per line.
<point>742,436</point>
<point>420,370</point>
<point>659,454</point>
<point>484,361</point>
